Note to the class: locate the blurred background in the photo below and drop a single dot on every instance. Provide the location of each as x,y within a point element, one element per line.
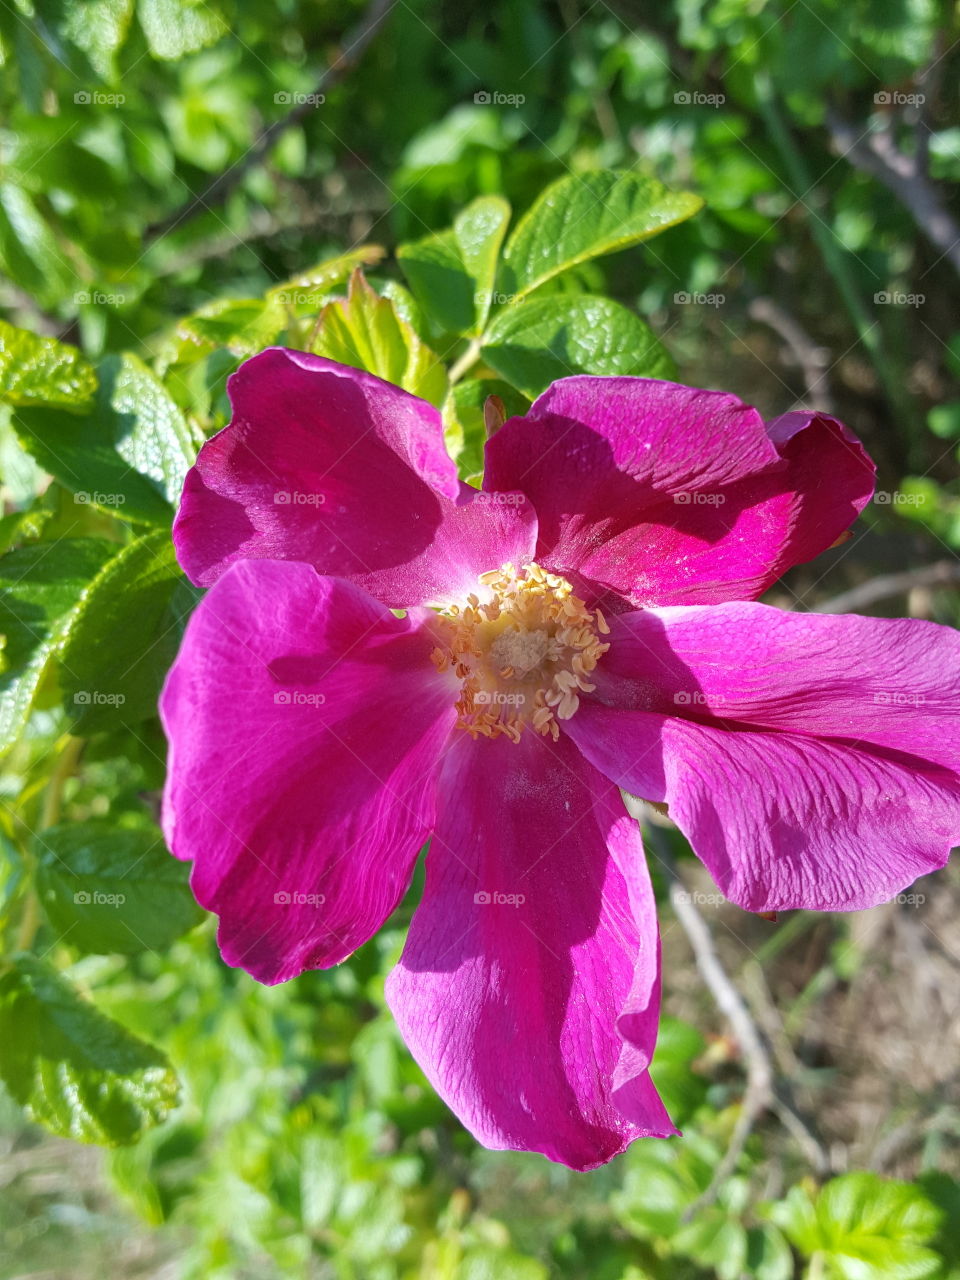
<point>161,155</point>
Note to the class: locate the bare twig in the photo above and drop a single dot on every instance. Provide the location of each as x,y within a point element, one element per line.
<point>761,1093</point>
<point>758,1095</point>
<point>903,175</point>
<point>813,360</point>
<point>943,573</point>
<point>353,48</point>
<point>908,1134</point>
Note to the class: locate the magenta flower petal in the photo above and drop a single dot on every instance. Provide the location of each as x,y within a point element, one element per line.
<point>831,480</point>
<point>306,724</point>
<point>529,986</point>
<point>811,761</point>
<point>334,467</point>
<point>662,494</point>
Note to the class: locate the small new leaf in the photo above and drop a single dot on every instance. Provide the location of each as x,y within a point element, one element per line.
<point>364,331</point>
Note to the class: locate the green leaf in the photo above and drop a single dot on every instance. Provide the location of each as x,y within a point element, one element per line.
<point>240,325</point>
<point>129,456</point>
<point>107,888</point>
<point>864,1226</point>
<point>488,1263</point>
<point>440,281</point>
<point>768,1254</point>
<point>124,639</point>
<point>176,27</point>
<point>35,370</point>
<point>533,344</point>
<point>149,430</point>
<point>452,273</point>
<point>365,332</point>
<point>464,428</point>
<point>29,251</point>
<point>82,455</point>
<point>99,28</point>
<point>680,1087</point>
<point>585,215</point>
<point>75,1071</point>
<point>326,274</point>
<point>41,594</point>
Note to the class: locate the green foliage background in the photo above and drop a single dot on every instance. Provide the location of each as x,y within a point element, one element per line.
<point>489,199</point>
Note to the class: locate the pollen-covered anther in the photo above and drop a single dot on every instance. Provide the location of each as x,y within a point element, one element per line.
<point>523,646</point>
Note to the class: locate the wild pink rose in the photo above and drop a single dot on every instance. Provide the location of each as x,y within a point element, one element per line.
<point>582,624</point>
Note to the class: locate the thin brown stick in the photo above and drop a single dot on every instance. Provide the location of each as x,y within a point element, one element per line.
<point>760,1094</point>
<point>814,360</point>
<point>903,175</point>
<point>943,573</point>
<point>352,50</point>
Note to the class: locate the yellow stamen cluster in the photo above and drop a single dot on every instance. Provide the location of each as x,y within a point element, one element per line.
<point>523,646</point>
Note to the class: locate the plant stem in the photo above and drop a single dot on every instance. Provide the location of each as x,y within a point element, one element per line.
<point>465,362</point>
<point>49,817</point>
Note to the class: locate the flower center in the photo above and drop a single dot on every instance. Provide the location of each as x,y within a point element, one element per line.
<point>523,645</point>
